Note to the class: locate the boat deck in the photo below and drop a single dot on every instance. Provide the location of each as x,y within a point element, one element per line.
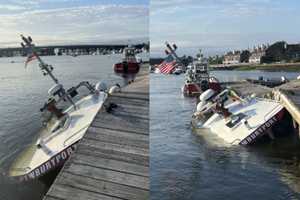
<point>112,159</point>
<point>289,96</point>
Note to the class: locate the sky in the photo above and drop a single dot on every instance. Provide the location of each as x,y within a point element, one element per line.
<point>51,22</point>
<point>217,26</point>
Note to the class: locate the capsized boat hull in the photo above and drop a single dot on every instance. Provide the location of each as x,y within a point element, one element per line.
<point>260,114</point>
<point>56,145</point>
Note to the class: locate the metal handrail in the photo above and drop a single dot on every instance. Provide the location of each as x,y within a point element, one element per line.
<point>271,112</point>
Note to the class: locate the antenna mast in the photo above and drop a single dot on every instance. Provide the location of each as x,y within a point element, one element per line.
<point>172,52</point>
<point>30,48</point>
<point>46,69</point>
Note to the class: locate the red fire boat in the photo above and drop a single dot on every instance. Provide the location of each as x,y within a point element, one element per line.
<point>129,65</point>
<point>198,80</point>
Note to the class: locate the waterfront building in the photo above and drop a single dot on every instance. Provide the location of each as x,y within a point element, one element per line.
<point>257,53</point>
<point>232,57</point>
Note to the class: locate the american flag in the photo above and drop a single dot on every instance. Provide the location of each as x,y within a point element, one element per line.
<point>30,57</point>
<point>168,65</point>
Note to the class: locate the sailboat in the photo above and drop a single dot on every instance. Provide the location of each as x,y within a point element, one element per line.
<point>65,126</point>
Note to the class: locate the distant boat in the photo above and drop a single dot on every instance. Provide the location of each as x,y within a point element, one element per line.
<point>129,64</point>
<point>199,80</point>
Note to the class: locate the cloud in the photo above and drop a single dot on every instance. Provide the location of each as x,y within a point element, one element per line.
<point>82,24</point>
<point>9,7</point>
<point>221,24</point>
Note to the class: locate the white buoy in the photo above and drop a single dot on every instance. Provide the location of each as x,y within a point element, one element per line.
<point>201,106</point>
<point>206,95</point>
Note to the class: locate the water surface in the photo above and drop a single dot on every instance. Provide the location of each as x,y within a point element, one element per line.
<point>188,166</point>
<point>22,93</point>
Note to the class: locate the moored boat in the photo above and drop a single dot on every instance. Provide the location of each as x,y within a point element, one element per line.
<point>129,64</point>
<point>199,80</point>
<point>64,127</point>
<point>237,120</point>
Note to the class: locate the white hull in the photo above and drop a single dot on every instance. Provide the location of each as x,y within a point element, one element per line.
<point>56,145</point>
<point>260,114</point>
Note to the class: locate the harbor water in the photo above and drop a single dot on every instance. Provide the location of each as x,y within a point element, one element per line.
<point>186,165</point>
<point>22,94</point>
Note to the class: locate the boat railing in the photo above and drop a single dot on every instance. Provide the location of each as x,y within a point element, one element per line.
<point>87,85</point>
<point>73,89</point>
<point>271,112</point>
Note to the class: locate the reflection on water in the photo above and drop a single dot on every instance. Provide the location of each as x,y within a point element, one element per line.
<point>185,165</point>
<point>22,94</point>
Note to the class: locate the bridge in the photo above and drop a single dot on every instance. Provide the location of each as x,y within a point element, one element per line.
<point>84,49</point>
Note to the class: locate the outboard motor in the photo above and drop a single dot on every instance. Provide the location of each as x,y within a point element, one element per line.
<point>57,89</point>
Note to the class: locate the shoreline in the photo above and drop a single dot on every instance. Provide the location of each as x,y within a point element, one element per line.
<point>274,67</point>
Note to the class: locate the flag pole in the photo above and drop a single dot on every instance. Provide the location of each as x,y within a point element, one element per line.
<point>47,69</point>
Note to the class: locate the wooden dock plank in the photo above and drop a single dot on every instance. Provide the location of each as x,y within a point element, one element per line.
<point>109,175</point>
<point>104,187</point>
<point>70,192</point>
<point>112,160</point>
<point>126,138</point>
<point>119,123</point>
<point>94,132</point>
<point>113,164</point>
<point>110,154</point>
<point>117,147</point>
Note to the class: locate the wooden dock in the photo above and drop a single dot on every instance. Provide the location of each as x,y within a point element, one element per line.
<point>288,95</point>
<point>245,88</point>
<point>112,160</point>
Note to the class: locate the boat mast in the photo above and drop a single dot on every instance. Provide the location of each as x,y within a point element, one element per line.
<point>46,69</point>
<point>172,52</point>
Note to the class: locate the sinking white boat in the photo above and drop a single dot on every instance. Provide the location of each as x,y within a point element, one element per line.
<point>64,127</point>
<point>237,122</point>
